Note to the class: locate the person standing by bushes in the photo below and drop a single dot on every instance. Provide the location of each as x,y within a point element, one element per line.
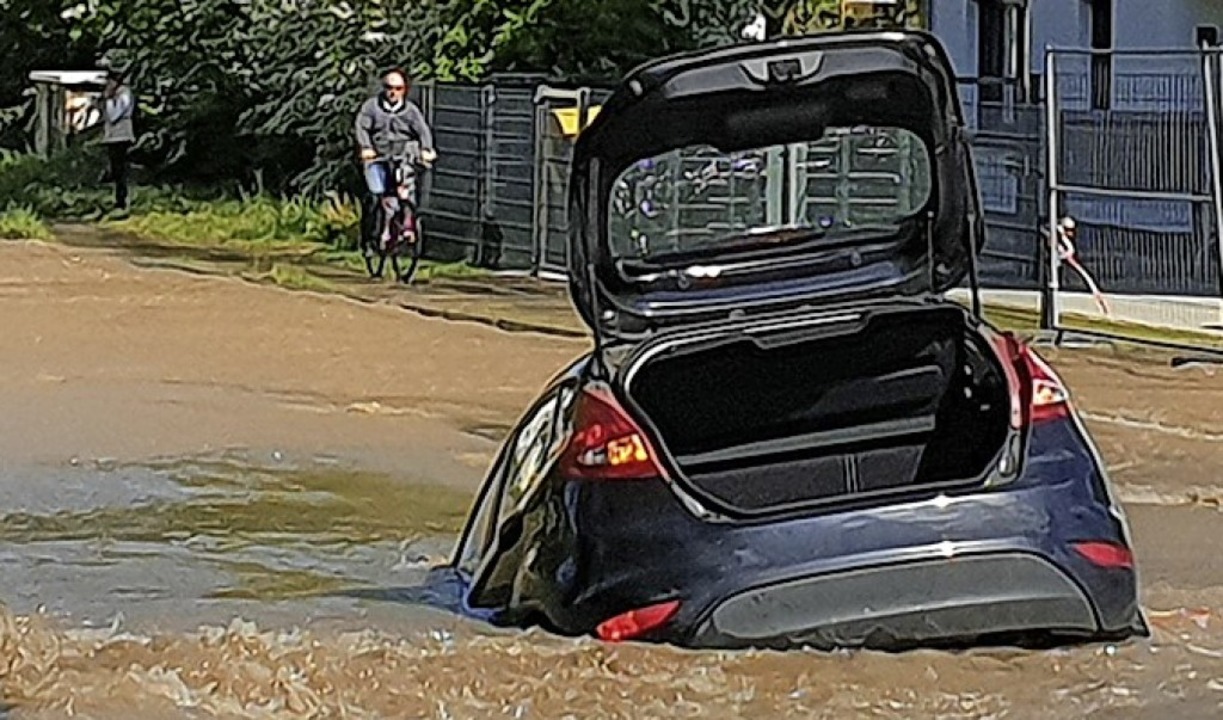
<point>118,132</point>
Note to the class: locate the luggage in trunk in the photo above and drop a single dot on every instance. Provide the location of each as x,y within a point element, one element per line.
<point>901,401</point>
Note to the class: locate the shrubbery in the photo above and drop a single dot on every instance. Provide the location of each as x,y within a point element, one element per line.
<point>258,222</point>
<point>22,223</point>
<point>263,92</point>
<point>67,186</point>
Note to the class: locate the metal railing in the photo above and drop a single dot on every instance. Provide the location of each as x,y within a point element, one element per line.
<point>1132,147</point>
<point>1132,155</point>
<point>1008,152</point>
<point>499,193</point>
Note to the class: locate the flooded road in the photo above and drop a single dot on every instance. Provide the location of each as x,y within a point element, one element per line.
<point>176,545</point>
<point>200,589</point>
<point>201,517</point>
<point>452,670</point>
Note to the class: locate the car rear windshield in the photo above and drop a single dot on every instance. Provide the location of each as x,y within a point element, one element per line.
<point>701,201</point>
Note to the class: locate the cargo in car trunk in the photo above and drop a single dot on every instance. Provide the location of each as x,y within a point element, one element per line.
<point>881,401</point>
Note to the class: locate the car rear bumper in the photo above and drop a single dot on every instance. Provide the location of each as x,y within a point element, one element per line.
<point>927,601</point>
<point>991,564</point>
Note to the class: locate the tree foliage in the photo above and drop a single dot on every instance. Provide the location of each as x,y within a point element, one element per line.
<point>580,40</point>
<point>805,17</point>
<point>34,35</point>
<point>260,90</point>
<point>265,90</point>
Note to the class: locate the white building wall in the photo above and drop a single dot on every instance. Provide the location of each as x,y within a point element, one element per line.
<point>1162,24</point>
<point>955,23</point>
<point>1058,23</point>
<point>1067,23</point>
<point>1140,82</point>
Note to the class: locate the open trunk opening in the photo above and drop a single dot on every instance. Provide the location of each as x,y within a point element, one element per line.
<point>905,400</point>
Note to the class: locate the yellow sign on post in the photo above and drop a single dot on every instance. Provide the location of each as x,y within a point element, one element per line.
<point>569,121</point>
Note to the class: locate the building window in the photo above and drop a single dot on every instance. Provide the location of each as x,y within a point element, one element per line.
<point>991,49</point>
<point>1102,63</point>
<point>1003,53</point>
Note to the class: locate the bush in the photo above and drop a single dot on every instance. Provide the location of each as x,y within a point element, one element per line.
<point>22,223</point>
<point>22,175</point>
<point>253,223</point>
<point>69,185</point>
<point>65,185</point>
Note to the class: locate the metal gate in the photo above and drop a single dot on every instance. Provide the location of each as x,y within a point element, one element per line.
<point>456,195</point>
<point>481,193</point>
<point>1133,157</point>
<point>508,208</point>
<point>1008,154</point>
<point>559,116</point>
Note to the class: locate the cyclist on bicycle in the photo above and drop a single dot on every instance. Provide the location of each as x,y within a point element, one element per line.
<point>390,125</point>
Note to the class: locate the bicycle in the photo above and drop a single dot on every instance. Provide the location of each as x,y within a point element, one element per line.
<point>404,176</point>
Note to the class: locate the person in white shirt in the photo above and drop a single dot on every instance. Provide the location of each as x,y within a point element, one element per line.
<point>118,131</point>
<point>1067,231</point>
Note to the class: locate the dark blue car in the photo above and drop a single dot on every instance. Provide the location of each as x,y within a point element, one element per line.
<point>786,434</point>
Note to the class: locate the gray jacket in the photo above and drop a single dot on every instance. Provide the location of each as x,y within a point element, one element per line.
<point>117,114</point>
<point>388,131</point>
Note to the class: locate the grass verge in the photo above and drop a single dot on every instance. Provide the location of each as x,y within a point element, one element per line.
<point>1139,332</point>
<point>250,226</point>
<point>1027,322</point>
<point>22,223</point>
<point>291,277</point>
<point>287,232</point>
<point>208,223</point>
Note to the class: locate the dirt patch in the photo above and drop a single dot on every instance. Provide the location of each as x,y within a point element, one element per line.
<point>106,360</point>
<point>1142,385</point>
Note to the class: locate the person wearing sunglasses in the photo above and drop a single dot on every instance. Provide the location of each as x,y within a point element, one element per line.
<point>390,125</point>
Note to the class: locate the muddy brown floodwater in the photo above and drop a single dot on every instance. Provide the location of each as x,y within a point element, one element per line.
<point>220,500</point>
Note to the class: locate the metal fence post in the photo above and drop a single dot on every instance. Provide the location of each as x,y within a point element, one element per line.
<point>1049,289</point>
<point>583,108</point>
<point>488,100</point>
<point>489,245</point>
<point>1210,78</point>
<point>426,100</point>
<point>540,190</point>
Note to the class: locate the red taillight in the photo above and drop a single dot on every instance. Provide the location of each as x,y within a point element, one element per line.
<point>1050,399</point>
<point>636,623</point>
<point>1008,353</point>
<point>1105,554</point>
<point>1037,393</point>
<point>606,443</point>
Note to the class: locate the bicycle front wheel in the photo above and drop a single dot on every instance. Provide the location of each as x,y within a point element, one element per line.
<point>405,269</point>
<point>371,249</point>
<point>375,264</point>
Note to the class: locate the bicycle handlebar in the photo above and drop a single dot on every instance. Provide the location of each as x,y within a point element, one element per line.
<point>417,161</point>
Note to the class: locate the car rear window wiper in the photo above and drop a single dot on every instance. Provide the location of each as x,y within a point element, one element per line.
<point>753,247</point>
<point>724,249</point>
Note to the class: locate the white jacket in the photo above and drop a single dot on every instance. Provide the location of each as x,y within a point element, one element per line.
<point>117,117</point>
